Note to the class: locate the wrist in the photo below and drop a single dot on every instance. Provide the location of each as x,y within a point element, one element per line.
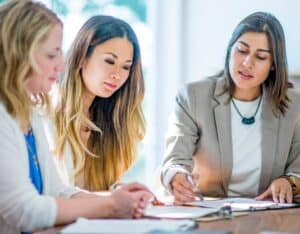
<point>115,186</point>
<point>106,204</point>
<point>292,182</point>
<point>111,206</point>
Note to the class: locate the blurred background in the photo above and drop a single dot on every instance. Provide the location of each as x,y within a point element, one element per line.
<point>181,41</point>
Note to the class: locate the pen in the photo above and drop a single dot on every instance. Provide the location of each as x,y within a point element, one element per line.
<point>196,190</point>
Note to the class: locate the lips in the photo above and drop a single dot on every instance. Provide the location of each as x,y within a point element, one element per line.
<point>245,75</point>
<point>110,85</point>
<point>53,78</point>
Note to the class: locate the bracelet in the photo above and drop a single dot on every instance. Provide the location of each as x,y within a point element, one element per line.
<point>115,185</point>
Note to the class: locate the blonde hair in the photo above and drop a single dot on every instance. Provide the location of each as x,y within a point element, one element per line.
<point>116,123</point>
<point>23,25</point>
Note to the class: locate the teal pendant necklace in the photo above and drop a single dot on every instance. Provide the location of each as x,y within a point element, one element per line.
<point>250,120</point>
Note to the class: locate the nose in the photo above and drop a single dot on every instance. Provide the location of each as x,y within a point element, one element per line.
<point>248,61</point>
<point>116,74</point>
<point>59,66</point>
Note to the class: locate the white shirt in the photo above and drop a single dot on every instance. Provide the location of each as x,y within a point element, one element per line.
<point>246,149</point>
<point>22,208</point>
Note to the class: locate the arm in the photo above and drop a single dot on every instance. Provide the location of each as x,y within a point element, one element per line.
<point>293,163</point>
<point>284,187</point>
<point>20,204</point>
<point>26,210</point>
<point>182,139</point>
<point>125,202</point>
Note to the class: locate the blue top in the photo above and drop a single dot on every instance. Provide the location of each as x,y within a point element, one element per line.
<point>34,168</point>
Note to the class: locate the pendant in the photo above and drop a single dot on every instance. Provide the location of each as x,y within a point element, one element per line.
<point>248,121</point>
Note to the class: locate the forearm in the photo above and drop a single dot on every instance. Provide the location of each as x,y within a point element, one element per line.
<point>84,195</point>
<point>88,206</point>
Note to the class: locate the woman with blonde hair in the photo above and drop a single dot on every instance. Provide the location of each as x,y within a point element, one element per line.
<point>99,119</point>
<point>32,194</point>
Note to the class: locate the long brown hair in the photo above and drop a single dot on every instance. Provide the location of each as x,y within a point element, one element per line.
<point>117,122</point>
<point>277,82</point>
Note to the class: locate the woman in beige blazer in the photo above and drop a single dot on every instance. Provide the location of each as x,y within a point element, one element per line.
<point>242,126</point>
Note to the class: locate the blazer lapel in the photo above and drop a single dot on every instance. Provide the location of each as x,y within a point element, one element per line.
<point>270,128</point>
<point>223,126</point>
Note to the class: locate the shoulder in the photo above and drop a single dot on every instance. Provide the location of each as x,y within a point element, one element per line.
<point>7,122</point>
<point>3,112</point>
<point>201,85</point>
<point>294,95</point>
<point>293,112</point>
<point>198,89</point>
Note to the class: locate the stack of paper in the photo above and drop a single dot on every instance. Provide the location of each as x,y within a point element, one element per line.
<point>241,204</point>
<point>132,226</point>
<point>178,212</point>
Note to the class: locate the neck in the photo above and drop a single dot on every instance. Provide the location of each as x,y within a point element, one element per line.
<point>87,102</point>
<point>246,95</point>
<point>25,128</point>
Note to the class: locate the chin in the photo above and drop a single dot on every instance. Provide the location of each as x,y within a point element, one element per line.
<point>105,95</point>
<point>47,90</point>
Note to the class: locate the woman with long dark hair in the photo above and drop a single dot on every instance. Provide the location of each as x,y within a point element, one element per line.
<point>242,125</point>
<point>99,119</point>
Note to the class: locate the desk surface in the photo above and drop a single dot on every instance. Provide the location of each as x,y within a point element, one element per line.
<point>285,220</point>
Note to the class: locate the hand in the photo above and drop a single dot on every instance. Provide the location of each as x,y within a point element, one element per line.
<point>182,189</point>
<point>133,187</point>
<point>280,190</point>
<point>130,200</point>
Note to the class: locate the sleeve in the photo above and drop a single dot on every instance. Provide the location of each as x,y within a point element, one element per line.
<point>170,173</point>
<point>293,162</point>
<point>182,138</point>
<point>56,185</point>
<point>20,205</point>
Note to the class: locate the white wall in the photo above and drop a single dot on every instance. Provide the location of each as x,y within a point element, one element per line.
<point>210,24</point>
<point>190,39</point>
<point>164,77</point>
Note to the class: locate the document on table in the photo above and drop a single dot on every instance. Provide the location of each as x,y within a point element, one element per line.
<point>241,204</point>
<point>178,212</point>
<point>132,226</point>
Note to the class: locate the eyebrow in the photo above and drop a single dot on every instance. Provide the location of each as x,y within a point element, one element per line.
<point>261,50</point>
<point>116,57</point>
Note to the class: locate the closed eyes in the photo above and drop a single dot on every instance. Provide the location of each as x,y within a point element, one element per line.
<point>112,62</point>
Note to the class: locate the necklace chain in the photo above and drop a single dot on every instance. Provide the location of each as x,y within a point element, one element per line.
<point>32,151</point>
<point>251,119</point>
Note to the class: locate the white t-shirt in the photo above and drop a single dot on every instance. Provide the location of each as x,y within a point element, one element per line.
<point>246,149</point>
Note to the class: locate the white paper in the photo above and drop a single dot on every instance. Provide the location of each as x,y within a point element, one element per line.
<point>241,204</point>
<point>178,212</point>
<point>132,226</point>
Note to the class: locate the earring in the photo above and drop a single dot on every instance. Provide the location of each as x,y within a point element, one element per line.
<point>272,68</point>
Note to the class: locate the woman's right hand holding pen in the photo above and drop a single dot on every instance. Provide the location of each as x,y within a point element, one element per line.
<point>184,189</point>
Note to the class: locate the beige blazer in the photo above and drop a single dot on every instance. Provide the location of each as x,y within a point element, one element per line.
<point>202,109</point>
